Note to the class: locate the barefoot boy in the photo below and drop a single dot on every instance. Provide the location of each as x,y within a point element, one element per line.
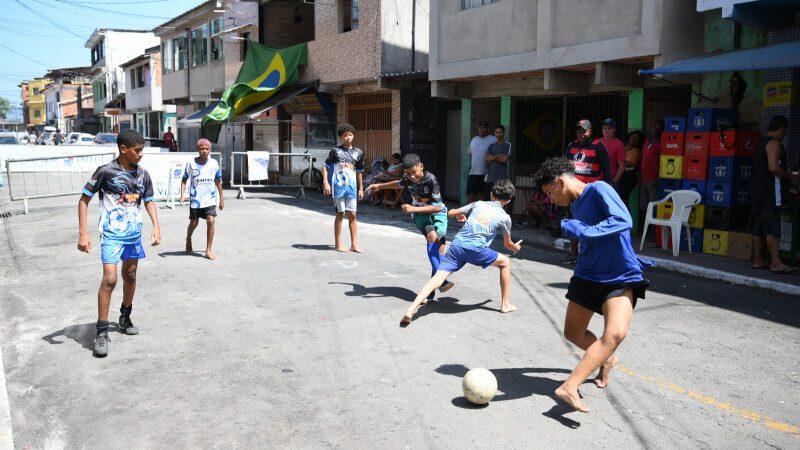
<point>123,187</point>
<point>426,208</point>
<point>471,245</point>
<point>608,276</point>
<point>205,181</point>
<point>342,179</point>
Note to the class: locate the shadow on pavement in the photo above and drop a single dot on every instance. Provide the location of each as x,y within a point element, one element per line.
<point>312,246</point>
<point>516,383</point>
<point>182,253</point>
<point>359,290</point>
<point>82,334</point>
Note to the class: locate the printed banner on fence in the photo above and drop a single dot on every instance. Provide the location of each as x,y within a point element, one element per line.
<point>257,166</point>
<point>166,170</point>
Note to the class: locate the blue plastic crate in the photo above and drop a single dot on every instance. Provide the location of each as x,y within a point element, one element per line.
<point>705,119</point>
<point>697,240</point>
<point>667,185</point>
<point>697,186</point>
<point>674,124</point>
<point>730,168</point>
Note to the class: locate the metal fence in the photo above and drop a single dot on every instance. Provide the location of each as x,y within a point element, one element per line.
<point>52,176</point>
<point>240,180</point>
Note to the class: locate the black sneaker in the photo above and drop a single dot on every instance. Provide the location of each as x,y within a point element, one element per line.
<point>446,286</point>
<point>101,345</point>
<point>430,297</point>
<point>126,326</point>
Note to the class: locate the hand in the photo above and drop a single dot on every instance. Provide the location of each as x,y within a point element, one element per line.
<point>155,236</point>
<point>182,199</point>
<point>408,208</point>
<point>327,188</point>
<point>221,204</point>
<point>373,188</point>
<point>84,244</point>
<point>517,247</point>
<point>461,217</point>
<point>360,194</point>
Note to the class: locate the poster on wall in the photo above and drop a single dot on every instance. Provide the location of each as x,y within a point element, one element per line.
<point>257,166</point>
<point>779,93</point>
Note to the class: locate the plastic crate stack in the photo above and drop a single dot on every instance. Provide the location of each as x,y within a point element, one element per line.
<point>716,164</point>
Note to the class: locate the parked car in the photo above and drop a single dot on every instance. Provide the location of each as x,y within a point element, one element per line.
<point>76,138</point>
<point>8,139</point>
<point>105,139</point>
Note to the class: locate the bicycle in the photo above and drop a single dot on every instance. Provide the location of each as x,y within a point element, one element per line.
<point>316,176</point>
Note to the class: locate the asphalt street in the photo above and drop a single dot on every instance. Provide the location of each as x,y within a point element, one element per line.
<point>284,342</point>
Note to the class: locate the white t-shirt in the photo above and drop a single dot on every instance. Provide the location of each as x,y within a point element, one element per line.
<point>477,150</point>
<point>202,182</point>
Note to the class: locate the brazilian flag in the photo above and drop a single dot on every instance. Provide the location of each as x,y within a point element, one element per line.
<point>264,72</point>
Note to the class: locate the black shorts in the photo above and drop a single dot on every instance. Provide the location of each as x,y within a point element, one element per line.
<point>475,184</point>
<point>203,213</point>
<point>767,222</point>
<point>592,295</point>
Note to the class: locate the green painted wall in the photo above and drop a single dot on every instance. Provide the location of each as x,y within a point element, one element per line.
<point>505,112</point>
<point>466,137</point>
<point>635,121</point>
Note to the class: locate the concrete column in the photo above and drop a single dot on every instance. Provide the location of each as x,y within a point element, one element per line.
<point>466,137</point>
<point>505,120</point>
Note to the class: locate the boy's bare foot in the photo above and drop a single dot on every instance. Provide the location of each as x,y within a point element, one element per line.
<point>339,248</point>
<point>356,249</point>
<point>406,320</point>
<point>508,309</point>
<point>210,255</point>
<point>604,376</point>
<point>573,399</point>
<point>189,246</point>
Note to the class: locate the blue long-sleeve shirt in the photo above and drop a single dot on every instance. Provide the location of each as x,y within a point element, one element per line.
<point>602,225</point>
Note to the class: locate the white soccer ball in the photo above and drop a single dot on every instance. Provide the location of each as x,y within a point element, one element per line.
<point>480,386</point>
<point>117,221</point>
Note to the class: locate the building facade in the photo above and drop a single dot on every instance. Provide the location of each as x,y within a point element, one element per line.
<point>143,103</point>
<point>37,108</point>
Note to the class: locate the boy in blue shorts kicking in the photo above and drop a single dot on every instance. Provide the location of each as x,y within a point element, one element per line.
<point>426,208</point>
<point>471,245</point>
<point>123,187</point>
<point>608,277</point>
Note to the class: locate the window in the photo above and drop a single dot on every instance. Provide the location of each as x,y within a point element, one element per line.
<point>245,42</point>
<point>199,45</point>
<point>216,39</point>
<point>37,113</point>
<point>467,4</point>
<point>348,15</point>
<point>179,56</point>
<point>166,57</point>
<point>320,131</point>
<point>132,77</point>
<point>35,91</point>
<point>140,77</point>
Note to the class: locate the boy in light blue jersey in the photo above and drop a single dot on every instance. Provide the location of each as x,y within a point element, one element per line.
<point>608,276</point>
<point>205,183</point>
<point>471,245</point>
<point>123,186</point>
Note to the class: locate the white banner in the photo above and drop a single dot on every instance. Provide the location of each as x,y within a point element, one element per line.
<point>166,167</point>
<point>257,166</point>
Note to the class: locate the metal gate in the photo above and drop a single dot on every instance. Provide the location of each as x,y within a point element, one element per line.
<point>452,188</point>
<point>371,116</point>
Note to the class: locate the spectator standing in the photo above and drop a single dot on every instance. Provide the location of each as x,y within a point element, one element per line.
<point>169,139</point>
<point>615,149</point>
<point>496,160</point>
<point>633,156</point>
<point>58,138</point>
<point>478,147</point>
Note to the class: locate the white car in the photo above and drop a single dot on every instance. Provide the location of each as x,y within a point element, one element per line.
<point>76,138</point>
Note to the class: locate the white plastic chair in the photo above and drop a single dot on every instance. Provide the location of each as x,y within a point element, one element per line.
<point>682,203</point>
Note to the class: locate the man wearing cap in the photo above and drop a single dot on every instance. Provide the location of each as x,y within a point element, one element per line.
<point>478,147</point>
<point>615,149</point>
<point>590,160</point>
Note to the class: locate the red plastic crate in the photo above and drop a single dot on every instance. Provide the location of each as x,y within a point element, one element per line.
<point>695,168</point>
<point>672,143</point>
<point>696,144</point>
<point>734,143</point>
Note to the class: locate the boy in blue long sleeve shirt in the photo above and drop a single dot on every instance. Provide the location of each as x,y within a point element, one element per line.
<point>608,277</point>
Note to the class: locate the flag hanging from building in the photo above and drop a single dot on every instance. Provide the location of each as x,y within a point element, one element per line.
<point>264,72</point>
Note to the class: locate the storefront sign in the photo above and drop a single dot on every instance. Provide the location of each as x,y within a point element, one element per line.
<point>779,93</point>
<point>304,104</point>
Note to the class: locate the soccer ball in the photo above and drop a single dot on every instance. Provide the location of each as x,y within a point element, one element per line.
<point>117,221</point>
<point>480,386</point>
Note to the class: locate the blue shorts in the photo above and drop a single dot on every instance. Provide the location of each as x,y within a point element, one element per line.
<point>457,256</point>
<point>112,252</point>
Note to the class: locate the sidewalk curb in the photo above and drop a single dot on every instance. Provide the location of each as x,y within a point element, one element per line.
<point>6,431</point>
<point>719,275</point>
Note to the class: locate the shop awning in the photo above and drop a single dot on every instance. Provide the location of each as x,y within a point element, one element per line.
<point>778,56</point>
<point>197,116</point>
<point>280,97</point>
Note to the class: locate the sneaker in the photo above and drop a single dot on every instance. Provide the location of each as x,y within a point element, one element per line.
<point>430,297</point>
<point>101,345</point>
<point>569,259</point>
<point>446,286</point>
<point>126,326</point>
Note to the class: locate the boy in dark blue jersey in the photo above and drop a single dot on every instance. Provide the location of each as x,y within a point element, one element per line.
<point>608,276</point>
<point>123,186</point>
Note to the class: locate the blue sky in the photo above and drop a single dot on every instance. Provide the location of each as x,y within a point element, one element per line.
<point>38,35</point>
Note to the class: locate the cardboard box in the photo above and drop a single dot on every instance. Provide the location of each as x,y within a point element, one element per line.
<point>696,145</point>
<point>715,242</point>
<point>671,167</point>
<point>740,246</point>
<point>673,143</point>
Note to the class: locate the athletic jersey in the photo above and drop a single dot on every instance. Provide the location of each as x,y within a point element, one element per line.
<point>343,164</point>
<point>484,219</point>
<point>424,192</point>
<point>590,161</point>
<point>602,225</point>
<point>202,179</point>
<point>121,197</point>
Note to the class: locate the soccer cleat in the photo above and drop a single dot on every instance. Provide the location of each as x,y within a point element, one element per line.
<point>101,344</point>
<point>446,286</point>
<point>126,326</point>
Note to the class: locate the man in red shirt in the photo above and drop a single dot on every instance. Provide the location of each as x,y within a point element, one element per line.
<point>651,158</point>
<point>169,139</point>
<point>615,149</point>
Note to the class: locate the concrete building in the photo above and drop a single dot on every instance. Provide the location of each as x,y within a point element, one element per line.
<point>143,102</point>
<point>202,52</point>
<point>25,97</point>
<point>62,96</point>
<point>109,49</point>
<point>538,66</point>
<point>37,111</point>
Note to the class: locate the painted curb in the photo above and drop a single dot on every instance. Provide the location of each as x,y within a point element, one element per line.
<point>6,432</point>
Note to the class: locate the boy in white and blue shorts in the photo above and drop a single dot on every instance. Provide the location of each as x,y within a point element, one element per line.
<point>204,178</point>
<point>471,245</point>
<point>123,186</point>
<point>342,179</point>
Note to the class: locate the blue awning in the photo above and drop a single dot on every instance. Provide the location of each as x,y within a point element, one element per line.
<point>778,56</point>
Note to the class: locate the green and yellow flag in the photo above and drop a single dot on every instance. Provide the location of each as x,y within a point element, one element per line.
<point>264,72</point>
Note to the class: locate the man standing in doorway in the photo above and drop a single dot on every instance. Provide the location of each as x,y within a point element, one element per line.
<point>497,160</point>
<point>169,139</point>
<point>478,147</point>
<point>769,191</point>
<point>615,149</point>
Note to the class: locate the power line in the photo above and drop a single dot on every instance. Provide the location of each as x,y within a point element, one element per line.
<point>121,3</point>
<point>69,2</point>
<point>48,20</point>
<point>83,14</point>
<point>22,54</point>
